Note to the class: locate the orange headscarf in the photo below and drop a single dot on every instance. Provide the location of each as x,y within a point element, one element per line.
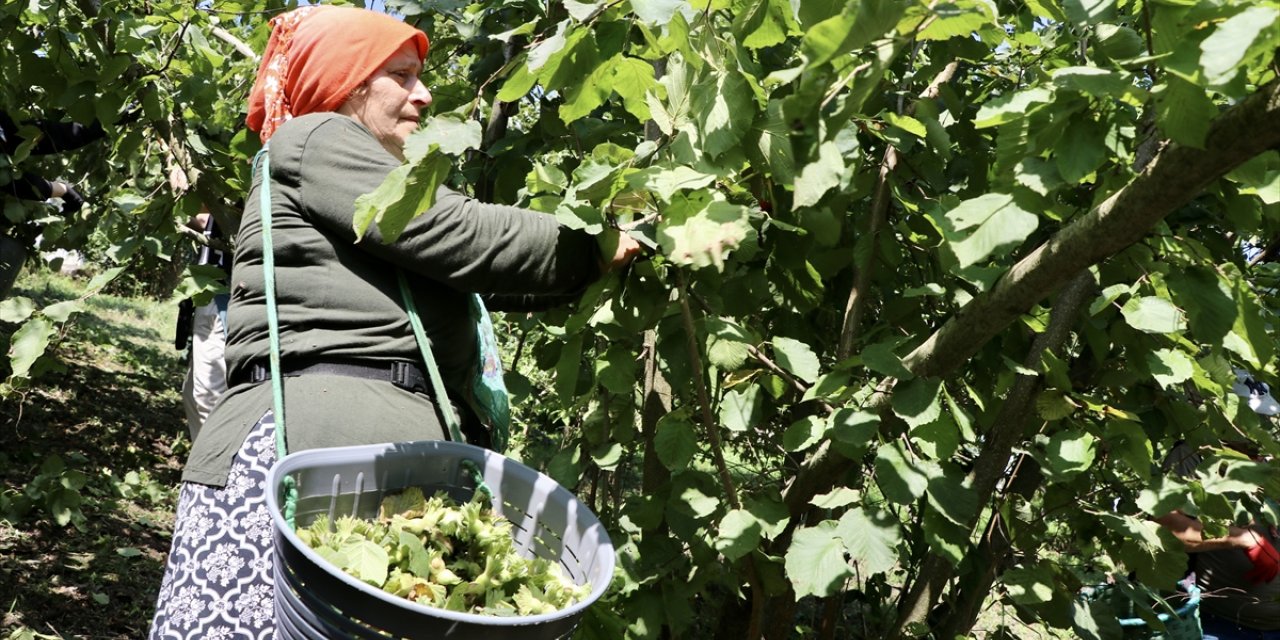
<point>317,56</point>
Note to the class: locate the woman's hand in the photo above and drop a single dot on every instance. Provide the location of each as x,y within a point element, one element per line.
<point>617,250</point>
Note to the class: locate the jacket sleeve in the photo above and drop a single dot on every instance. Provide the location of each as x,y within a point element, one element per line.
<point>462,242</point>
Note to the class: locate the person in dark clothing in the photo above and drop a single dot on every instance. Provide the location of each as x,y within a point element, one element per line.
<point>54,137</point>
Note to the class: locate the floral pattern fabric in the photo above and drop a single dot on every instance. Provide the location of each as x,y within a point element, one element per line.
<point>217,582</point>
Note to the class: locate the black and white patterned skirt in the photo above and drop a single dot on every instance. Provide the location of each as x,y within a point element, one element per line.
<point>217,582</point>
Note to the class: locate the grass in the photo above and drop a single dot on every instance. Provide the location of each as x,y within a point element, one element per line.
<point>100,424</point>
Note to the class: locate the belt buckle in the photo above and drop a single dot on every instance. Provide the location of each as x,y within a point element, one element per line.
<point>400,374</point>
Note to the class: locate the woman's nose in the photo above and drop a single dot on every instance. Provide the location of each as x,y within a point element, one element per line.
<point>419,96</point>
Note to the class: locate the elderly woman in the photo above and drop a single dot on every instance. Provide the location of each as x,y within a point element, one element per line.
<point>336,95</point>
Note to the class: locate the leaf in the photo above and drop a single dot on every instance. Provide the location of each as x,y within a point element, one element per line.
<point>804,433</point>
<point>27,344</point>
<point>1225,48</point>
<point>16,309</point>
<point>819,176</point>
<point>705,238</point>
<point>452,137</point>
<point>1170,368</point>
<point>1084,12</point>
<point>568,369</point>
<point>953,19</point>
<point>815,561</point>
<point>944,537</point>
<point>1054,405</point>
<point>1208,299</point>
<point>900,481</point>
<point>666,182</point>
<point>1029,585</point>
<point>659,12</point>
<point>988,224</point>
<point>797,358</point>
<point>741,410</point>
<point>542,52</point>
<point>880,357</point>
<point>1183,111</point>
<point>938,439</point>
<point>61,311</point>
<point>366,560</point>
<point>675,442</point>
<point>853,430</point>
<point>1150,314</point>
<point>1068,453</point>
<point>836,498</point>
<point>409,190</point>
<point>633,79</point>
<point>951,494</point>
<point>727,107</point>
<point>739,533</point>
<point>1081,150</point>
<point>872,538</point>
<point>1011,107</point>
<point>906,123</point>
<point>918,401</point>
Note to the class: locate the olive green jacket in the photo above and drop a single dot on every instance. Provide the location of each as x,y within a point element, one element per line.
<point>338,299</point>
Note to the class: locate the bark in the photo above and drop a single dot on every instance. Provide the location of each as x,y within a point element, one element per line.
<point>1176,175</point>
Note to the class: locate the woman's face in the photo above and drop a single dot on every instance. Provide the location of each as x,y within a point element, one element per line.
<point>388,102</point>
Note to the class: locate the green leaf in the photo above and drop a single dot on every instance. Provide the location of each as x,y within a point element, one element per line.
<point>409,190</point>
<point>1224,50</point>
<point>1011,107</point>
<point>766,27</point>
<point>1208,299</point>
<point>853,430</point>
<point>819,176</point>
<point>1170,368</point>
<point>815,561</point>
<point>16,309</point>
<point>951,494</point>
<point>543,52</point>
<point>918,401</point>
<point>27,344</point>
<point>872,538</point>
<point>566,467</point>
<point>633,79</point>
<point>739,534</point>
<point>1029,585</point>
<point>727,107</point>
<point>658,12</point>
<point>988,224</point>
<point>741,410</point>
<point>797,358</point>
<point>880,357</point>
<point>568,369</point>
<point>452,137</point>
<point>1054,405</point>
<point>1068,453</point>
<point>1183,111</point>
<point>955,19</point>
<point>366,560</point>
<point>804,433</point>
<point>836,498</point>
<point>666,182</point>
<point>945,538</point>
<point>706,237</point>
<point>675,442</point>
<point>1151,314</point>
<point>938,439</point>
<point>61,311</point>
<point>906,123</point>
<point>1084,12</point>
<point>901,481</point>
<point>1080,151</point>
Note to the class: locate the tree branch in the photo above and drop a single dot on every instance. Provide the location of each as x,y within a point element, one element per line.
<point>1174,177</point>
<point>879,213</point>
<point>235,42</point>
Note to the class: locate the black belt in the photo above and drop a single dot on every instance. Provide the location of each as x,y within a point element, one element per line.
<point>405,375</point>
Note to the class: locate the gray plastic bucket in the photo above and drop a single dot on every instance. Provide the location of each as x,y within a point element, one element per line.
<point>314,599</point>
